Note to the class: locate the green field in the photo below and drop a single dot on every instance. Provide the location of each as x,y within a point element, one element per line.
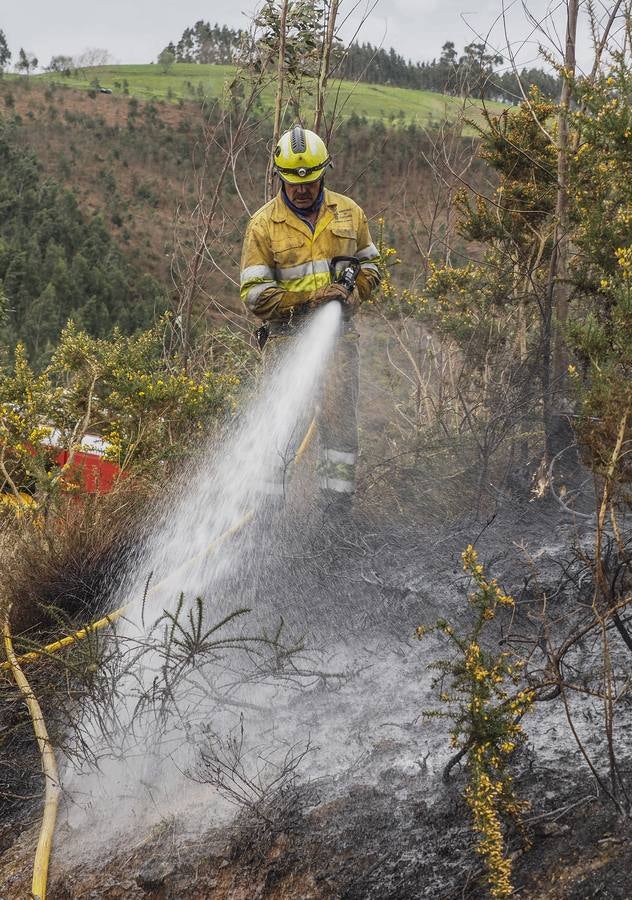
<point>186,81</point>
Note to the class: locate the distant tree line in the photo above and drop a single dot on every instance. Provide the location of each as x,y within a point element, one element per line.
<point>70,65</point>
<point>207,44</point>
<point>474,72</point>
<point>56,264</point>
<point>62,63</point>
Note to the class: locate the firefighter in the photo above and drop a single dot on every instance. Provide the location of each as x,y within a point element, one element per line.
<point>286,273</point>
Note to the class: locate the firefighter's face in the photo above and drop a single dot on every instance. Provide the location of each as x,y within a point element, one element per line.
<point>303,195</point>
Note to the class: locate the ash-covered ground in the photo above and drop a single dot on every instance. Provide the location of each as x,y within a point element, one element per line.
<point>366,813</point>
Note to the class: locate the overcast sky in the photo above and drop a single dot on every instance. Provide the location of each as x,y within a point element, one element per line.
<point>134,31</point>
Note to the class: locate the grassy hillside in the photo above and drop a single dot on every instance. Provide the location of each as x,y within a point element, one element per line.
<point>188,81</point>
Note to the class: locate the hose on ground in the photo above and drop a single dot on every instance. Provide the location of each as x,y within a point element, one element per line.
<point>116,614</point>
<point>49,769</point>
<point>49,763</point>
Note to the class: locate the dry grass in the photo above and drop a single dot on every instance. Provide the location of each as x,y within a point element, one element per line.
<point>59,575</point>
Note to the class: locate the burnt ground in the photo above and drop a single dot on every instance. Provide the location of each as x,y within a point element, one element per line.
<point>366,844</point>
<point>386,827</point>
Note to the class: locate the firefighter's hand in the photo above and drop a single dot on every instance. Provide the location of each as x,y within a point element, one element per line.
<point>327,293</point>
<point>353,302</point>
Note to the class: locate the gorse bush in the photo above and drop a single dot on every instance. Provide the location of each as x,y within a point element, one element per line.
<point>600,328</point>
<point>125,389</point>
<point>481,689</point>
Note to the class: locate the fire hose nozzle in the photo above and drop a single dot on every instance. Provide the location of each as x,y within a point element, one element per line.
<point>344,270</point>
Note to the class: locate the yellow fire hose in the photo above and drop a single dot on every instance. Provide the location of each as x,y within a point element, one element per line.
<point>117,613</point>
<point>49,764</point>
<point>49,768</point>
<point>309,435</point>
<point>68,640</point>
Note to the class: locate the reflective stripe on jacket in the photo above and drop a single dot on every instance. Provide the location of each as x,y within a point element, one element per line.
<point>283,261</point>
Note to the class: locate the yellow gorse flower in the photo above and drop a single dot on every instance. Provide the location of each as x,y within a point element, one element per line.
<point>486,711</point>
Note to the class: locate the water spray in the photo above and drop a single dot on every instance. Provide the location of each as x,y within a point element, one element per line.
<point>225,488</point>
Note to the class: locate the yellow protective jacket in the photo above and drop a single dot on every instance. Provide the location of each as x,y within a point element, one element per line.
<point>283,262</point>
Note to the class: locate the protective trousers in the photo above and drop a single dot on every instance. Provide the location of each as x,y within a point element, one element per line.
<point>336,417</point>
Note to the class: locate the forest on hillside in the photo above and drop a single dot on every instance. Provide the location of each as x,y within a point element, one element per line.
<point>56,263</point>
<point>423,694</point>
<point>475,72</point>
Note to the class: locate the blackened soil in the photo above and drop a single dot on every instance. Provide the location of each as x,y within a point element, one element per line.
<point>397,835</point>
<point>373,841</point>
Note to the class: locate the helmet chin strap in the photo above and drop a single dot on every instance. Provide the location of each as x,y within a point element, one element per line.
<point>307,210</point>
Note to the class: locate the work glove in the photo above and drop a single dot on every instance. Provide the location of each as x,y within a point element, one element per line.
<point>365,285</point>
<point>327,293</point>
<point>353,301</point>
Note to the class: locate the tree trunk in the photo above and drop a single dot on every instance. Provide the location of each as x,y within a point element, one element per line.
<point>323,75</point>
<point>189,282</point>
<point>278,100</point>
<point>555,360</point>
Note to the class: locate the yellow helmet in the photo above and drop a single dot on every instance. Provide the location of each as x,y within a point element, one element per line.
<point>301,156</point>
